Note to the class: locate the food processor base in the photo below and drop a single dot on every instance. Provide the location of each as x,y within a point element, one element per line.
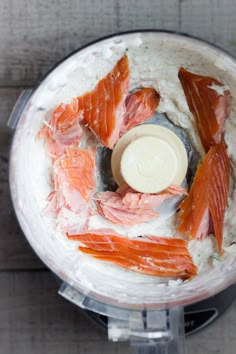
<point>196,316</point>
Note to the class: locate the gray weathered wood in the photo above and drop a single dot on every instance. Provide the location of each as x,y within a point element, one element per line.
<point>34,319</point>
<point>14,249</point>
<point>15,252</point>
<point>8,97</point>
<point>212,20</point>
<point>34,35</point>
<point>37,34</point>
<point>5,139</point>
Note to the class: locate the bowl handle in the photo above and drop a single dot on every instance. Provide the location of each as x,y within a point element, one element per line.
<point>151,332</point>
<point>148,331</point>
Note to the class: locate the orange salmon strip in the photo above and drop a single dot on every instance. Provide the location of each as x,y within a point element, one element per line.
<point>104,106</point>
<point>162,257</point>
<point>144,264</point>
<point>63,129</point>
<point>209,108</point>
<point>110,241</point>
<point>79,166</point>
<point>209,192</point>
<point>140,106</point>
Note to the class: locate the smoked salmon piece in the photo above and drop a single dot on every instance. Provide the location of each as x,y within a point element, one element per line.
<point>74,184</point>
<point>63,130</point>
<point>128,207</point>
<point>209,102</point>
<point>79,166</point>
<point>157,256</point>
<point>207,199</point>
<point>140,106</point>
<point>104,107</point>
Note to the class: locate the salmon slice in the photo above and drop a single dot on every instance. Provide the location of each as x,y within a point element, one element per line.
<point>167,257</point>
<point>209,107</point>
<point>113,242</point>
<point>207,199</point>
<point>63,130</point>
<point>74,183</point>
<point>104,107</point>
<point>128,207</point>
<point>140,106</point>
<point>79,166</point>
<point>133,199</point>
<point>145,264</point>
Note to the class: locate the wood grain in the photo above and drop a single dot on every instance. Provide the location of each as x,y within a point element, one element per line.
<point>8,97</point>
<point>15,251</point>
<point>211,20</point>
<point>34,35</point>
<point>34,319</point>
<point>37,34</point>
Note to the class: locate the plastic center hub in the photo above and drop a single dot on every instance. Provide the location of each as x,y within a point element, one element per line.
<point>149,158</point>
<point>149,164</point>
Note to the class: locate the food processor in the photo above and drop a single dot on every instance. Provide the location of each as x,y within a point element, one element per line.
<point>153,321</point>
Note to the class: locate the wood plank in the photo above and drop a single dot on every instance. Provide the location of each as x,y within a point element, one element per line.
<point>15,252</point>
<point>8,97</point>
<point>34,319</point>
<point>14,249</point>
<point>28,26</point>
<point>36,34</point>
<point>5,139</point>
<point>212,20</point>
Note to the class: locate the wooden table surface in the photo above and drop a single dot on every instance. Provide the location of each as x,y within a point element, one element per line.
<point>34,35</point>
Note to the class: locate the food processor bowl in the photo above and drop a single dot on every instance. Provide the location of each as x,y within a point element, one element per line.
<point>149,315</point>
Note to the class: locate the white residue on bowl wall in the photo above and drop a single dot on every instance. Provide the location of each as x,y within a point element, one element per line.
<point>153,62</point>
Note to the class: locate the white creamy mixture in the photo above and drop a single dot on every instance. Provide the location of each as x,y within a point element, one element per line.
<point>154,61</point>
